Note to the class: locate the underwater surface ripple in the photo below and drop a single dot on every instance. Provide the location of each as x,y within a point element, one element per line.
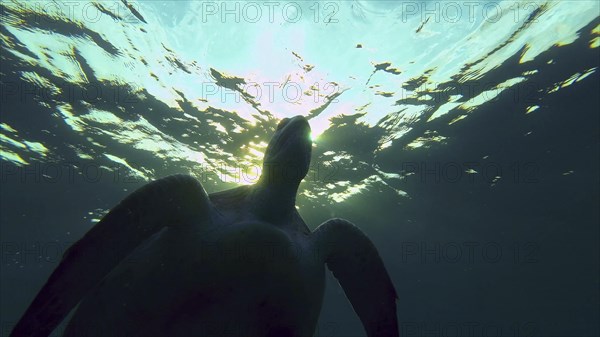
<point>156,93</point>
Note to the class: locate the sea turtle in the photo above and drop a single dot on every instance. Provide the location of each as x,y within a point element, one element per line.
<point>171,260</point>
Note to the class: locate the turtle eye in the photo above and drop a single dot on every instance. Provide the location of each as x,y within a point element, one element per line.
<point>283,123</point>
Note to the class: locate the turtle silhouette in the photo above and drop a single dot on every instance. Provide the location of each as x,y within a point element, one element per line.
<point>171,260</point>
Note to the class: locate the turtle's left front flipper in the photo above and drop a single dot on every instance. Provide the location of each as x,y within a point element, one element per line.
<point>176,201</point>
<point>355,262</point>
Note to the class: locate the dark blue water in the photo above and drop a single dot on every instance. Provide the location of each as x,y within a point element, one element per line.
<point>466,149</point>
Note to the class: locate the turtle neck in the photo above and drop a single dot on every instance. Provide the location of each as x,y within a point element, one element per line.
<point>274,198</point>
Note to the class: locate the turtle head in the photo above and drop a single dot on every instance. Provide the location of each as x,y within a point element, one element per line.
<point>287,158</point>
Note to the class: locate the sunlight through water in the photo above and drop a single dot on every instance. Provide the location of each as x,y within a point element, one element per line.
<point>197,89</point>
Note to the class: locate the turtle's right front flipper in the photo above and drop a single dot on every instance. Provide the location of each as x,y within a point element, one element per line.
<point>175,201</point>
<point>355,262</point>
